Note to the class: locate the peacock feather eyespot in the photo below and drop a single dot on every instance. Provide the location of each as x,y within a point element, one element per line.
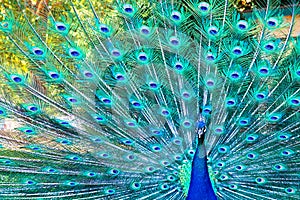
<point>239,167</point>
<point>145,30</point>
<point>233,187</point>
<point>60,27</point>
<point>287,152</point>
<point>237,50</point>
<point>223,149</point>
<point>260,180</point>
<point>295,101</point>
<point>116,53</point>
<point>206,110</point>
<point>230,102</point>
<point>290,190</point>
<point>204,7</point>
<point>235,75</point>
<point>30,182</point>
<point>17,79</point>
<point>127,142</point>
<point>104,29</point>
<point>164,186</point>
<point>220,164</point>
<point>131,124</point>
<point>106,101</point>
<point>165,112</point>
<point>135,186</point>
<point>174,41</point>
<point>283,136</point>
<point>120,77</point>
<point>176,16</point>
<point>210,83</point>
<point>128,9</point>
<point>279,167</point>
<point>74,53</point>
<point>210,57</point>
<point>177,141</point>
<point>53,75</point>
<point>136,104</point>
<point>260,96</point>
<point>142,57</point>
<point>156,148</point>
<point>110,191</point>
<point>88,74</point>
<point>272,22</point>
<point>224,177</point>
<point>114,172</point>
<point>156,132</point>
<point>275,117</point>
<point>171,178</point>
<point>251,138</point>
<point>213,31</point>
<point>219,130</point>
<point>165,163</point>
<point>244,122</point>
<point>269,47</point>
<point>150,169</point>
<point>38,51</point>
<point>242,25</point>
<point>252,155</point>
<point>178,158</point>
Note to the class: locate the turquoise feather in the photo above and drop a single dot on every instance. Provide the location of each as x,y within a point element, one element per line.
<point>159,100</point>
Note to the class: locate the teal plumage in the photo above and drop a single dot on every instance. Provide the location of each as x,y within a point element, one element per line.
<point>155,100</point>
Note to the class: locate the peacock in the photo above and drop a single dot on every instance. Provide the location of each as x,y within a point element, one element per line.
<point>168,99</point>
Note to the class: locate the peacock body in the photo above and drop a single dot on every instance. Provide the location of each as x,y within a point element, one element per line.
<point>151,100</point>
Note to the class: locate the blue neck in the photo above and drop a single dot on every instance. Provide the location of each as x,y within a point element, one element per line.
<point>200,186</point>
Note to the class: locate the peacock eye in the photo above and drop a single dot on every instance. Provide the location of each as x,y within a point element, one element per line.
<point>233,187</point>
<point>187,124</point>
<point>72,100</point>
<point>74,53</point>
<point>174,41</point>
<point>4,24</point>
<point>260,96</point>
<point>260,180</point>
<point>136,104</point>
<point>16,79</point>
<point>60,26</point>
<point>88,74</point>
<point>242,25</point>
<point>106,101</point>
<point>213,30</point>
<point>176,15</point>
<point>110,191</point>
<point>235,75</point>
<point>223,149</point>
<point>295,101</point>
<point>178,66</point>
<point>53,75</point>
<point>153,85</point>
<point>230,102</point>
<point>156,148</point>
<point>104,28</point>
<point>32,108</point>
<point>145,30</point>
<point>116,53</point>
<point>203,6</point>
<point>186,95</point>
<point>37,51</point>
<point>120,77</point>
<point>269,46</point>
<point>210,83</point>
<point>272,22</point>
<point>128,8</point>
<point>237,51</point>
<point>264,70</point>
<point>143,57</point>
<point>210,57</point>
<point>290,190</point>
